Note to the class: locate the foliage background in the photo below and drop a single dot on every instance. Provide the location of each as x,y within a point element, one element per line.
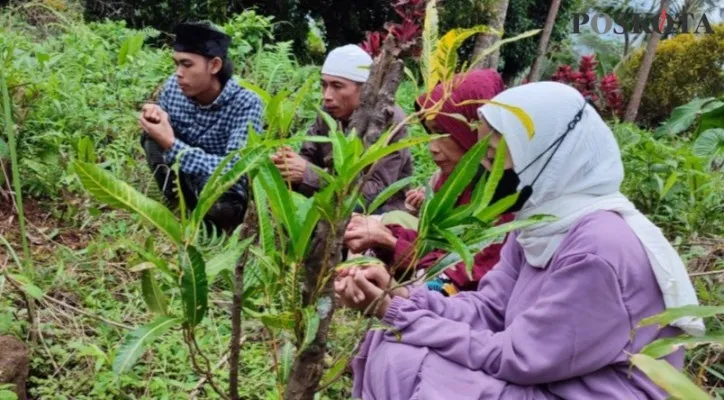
<point>686,66</point>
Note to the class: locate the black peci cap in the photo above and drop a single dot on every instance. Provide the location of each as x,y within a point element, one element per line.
<point>201,38</point>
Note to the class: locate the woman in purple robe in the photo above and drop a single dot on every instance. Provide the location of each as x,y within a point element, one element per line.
<point>554,318</point>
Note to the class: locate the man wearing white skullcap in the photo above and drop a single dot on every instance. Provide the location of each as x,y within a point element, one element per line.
<point>344,72</point>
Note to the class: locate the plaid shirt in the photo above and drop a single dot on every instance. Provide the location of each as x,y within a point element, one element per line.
<point>206,134</point>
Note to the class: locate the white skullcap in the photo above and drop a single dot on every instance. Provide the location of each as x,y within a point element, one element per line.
<point>349,62</point>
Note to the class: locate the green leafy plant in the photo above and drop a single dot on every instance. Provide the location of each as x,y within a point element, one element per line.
<point>676,383</point>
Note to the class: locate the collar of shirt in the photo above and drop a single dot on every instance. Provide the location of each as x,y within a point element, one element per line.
<point>229,90</point>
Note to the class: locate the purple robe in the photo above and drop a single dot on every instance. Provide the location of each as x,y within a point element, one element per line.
<point>527,333</point>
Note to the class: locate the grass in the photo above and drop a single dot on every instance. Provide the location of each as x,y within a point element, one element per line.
<point>92,300</point>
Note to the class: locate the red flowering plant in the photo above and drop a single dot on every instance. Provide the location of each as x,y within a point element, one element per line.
<point>409,30</point>
<point>605,93</point>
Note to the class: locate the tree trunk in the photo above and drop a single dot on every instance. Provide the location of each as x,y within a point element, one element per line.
<point>485,40</point>
<point>370,120</point>
<point>308,367</point>
<point>537,68</point>
<point>626,43</point>
<point>643,74</point>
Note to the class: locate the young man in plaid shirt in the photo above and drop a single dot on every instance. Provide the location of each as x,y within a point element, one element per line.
<point>202,115</point>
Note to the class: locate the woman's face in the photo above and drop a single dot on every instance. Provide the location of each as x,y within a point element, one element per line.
<point>446,152</point>
<point>485,130</point>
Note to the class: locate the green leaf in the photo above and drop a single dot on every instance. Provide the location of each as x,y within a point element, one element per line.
<point>280,198</point>
<point>339,151</point>
<point>388,193</point>
<point>194,286</point>
<point>152,293</point>
<point>212,191</point>
<point>227,259</point>
<point>4,150</point>
<point>460,248</point>
<point>263,94</point>
<point>682,118</point>
<point>710,144</point>
<point>353,262</point>
<point>112,191</point>
<point>499,230</point>
<point>27,286</point>
<point>284,320</point>
<point>488,214</point>
<point>86,152</point>
<point>663,347</point>
<point>444,200</point>
<point>129,48</point>
<point>159,263</point>
<point>286,361</point>
<point>270,272</point>
<point>499,43</point>
<point>673,314</point>
<point>8,395</point>
<point>329,120</point>
<point>445,59</point>
<point>710,119</point>
<point>299,139</point>
<point>668,378</point>
<point>429,42</point>
<point>336,370</point>
<point>670,182</point>
<point>441,265</point>
<point>496,174</point>
<point>371,157</point>
<point>136,342</point>
<point>311,326</point>
<point>266,229</point>
<point>307,217</point>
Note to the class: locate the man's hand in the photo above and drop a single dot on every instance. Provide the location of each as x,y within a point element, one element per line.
<point>154,120</point>
<point>364,233</point>
<point>290,164</point>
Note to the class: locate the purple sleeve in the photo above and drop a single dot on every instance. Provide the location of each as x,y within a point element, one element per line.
<point>482,309</point>
<point>578,325</point>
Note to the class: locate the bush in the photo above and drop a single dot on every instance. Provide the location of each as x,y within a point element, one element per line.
<point>667,181</point>
<point>685,67</point>
<point>86,84</point>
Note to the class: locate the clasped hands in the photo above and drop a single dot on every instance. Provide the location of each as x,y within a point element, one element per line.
<point>361,287</point>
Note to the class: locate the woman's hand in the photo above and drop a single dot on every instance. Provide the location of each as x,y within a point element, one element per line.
<point>359,287</point>
<point>364,233</point>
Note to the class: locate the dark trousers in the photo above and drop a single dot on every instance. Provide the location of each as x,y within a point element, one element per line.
<point>228,211</point>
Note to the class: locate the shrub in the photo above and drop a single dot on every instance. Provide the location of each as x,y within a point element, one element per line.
<point>686,66</point>
<point>605,93</point>
<point>69,89</point>
<point>671,184</point>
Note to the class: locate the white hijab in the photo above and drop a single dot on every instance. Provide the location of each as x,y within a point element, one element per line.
<point>582,177</point>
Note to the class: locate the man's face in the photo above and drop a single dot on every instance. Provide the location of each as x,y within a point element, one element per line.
<point>195,73</point>
<point>341,96</point>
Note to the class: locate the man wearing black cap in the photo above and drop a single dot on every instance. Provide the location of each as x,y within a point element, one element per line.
<point>201,116</point>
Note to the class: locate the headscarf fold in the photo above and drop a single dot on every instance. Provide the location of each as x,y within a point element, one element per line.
<point>474,85</point>
<point>583,176</point>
